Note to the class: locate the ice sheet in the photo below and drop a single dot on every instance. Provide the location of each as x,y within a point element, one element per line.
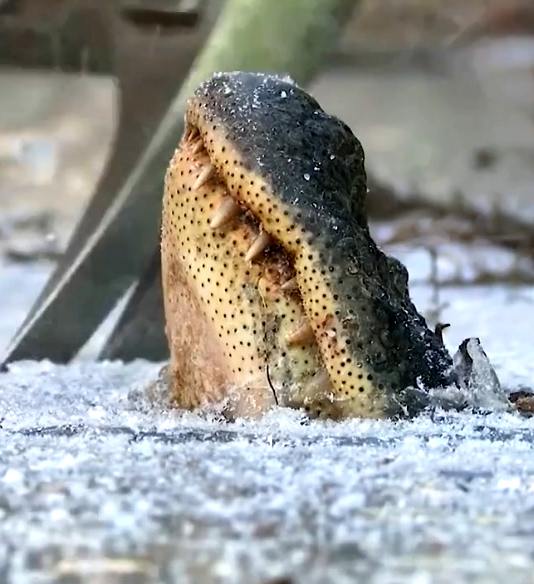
<point>98,485</point>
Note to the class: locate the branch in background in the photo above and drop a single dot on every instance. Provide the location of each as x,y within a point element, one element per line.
<point>289,36</point>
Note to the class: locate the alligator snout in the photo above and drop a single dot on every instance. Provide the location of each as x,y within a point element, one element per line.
<point>274,289</point>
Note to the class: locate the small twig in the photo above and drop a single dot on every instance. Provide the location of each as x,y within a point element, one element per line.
<point>271,385</point>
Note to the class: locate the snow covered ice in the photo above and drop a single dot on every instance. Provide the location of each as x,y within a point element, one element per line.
<point>98,484</point>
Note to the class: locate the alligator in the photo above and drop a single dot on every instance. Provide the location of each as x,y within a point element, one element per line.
<point>274,290</point>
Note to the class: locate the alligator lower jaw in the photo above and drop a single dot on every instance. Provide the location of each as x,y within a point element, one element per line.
<point>237,326</point>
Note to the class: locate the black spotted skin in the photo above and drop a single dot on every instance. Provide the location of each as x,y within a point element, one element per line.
<point>299,173</point>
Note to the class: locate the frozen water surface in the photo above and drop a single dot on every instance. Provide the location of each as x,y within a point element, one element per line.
<point>99,485</point>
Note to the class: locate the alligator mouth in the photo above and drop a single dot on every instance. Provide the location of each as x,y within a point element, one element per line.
<point>237,289</point>
<point>237,265</point>
<point>274,291</point>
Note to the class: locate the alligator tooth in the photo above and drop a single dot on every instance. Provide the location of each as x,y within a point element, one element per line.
<point>197,146</point>
<point>289,285</point>
<point>319,384</point>
<point>204,176</point>
<point>260,243</point>
<point>193,134</point>
<point>301,336</point>
<point>227,210</point>
<point>189,133</point>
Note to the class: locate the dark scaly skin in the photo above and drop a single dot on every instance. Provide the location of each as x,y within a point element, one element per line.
<point>308,191</point>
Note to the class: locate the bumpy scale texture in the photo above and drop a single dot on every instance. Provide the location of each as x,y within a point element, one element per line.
<point>274,290</point>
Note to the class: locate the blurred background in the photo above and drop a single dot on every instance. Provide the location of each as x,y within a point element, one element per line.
<point>98,483</point>
<point>441,94</point>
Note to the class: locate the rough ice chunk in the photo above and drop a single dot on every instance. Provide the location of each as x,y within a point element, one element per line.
<point>478,379</point>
